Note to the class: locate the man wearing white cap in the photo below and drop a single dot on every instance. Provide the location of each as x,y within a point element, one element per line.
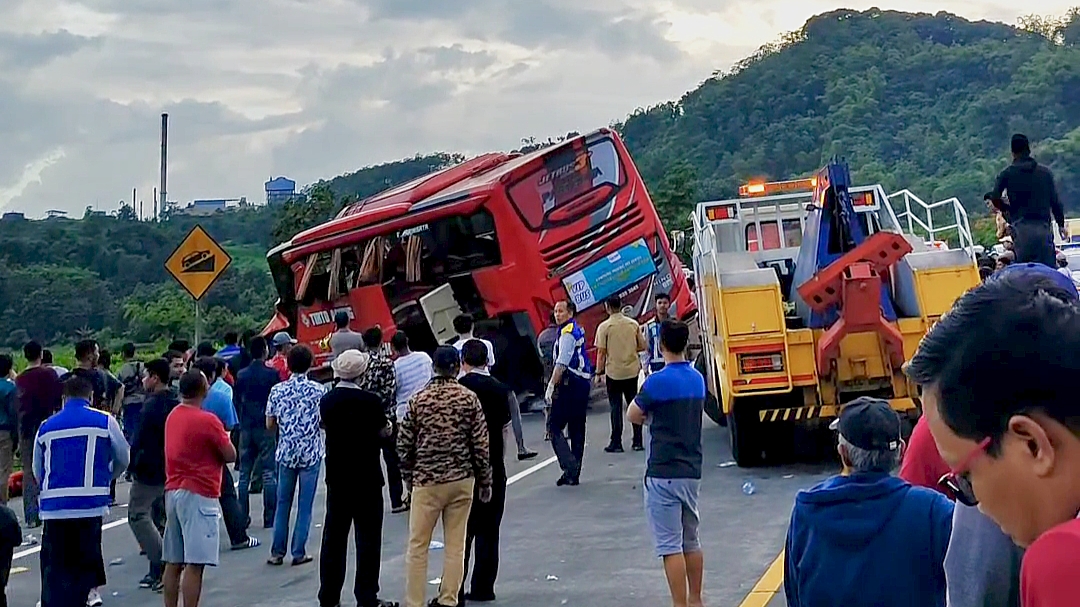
<point>356,425</point>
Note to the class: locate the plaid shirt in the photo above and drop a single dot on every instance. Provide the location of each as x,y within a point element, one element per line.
<point>380,379</point>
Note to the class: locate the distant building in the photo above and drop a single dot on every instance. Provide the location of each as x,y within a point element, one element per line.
<point>55,213</point>
<point>280,190</point>
<point>13,216</point>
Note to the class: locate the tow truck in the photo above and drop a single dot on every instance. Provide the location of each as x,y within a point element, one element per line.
<point>810,294</point>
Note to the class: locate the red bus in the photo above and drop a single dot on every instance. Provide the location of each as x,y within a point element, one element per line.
<point>500,237</point>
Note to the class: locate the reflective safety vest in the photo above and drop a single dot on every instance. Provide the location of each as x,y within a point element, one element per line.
<point>580,364</point>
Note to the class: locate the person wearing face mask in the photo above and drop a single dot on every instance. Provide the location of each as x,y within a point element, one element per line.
<point>991,373</point>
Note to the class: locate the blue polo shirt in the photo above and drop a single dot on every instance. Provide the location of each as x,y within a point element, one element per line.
<point>219,401</point>
<point>673,398</point>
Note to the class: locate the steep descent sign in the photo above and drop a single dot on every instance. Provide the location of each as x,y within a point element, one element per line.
<point>197,262</point>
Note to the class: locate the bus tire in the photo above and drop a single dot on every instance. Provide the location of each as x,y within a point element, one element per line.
<point>745,432</point>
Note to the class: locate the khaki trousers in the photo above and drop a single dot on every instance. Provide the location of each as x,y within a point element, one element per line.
<point>451,501</point>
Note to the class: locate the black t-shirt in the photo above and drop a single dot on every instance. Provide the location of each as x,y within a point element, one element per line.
<point>353,419</point>
<point>99,380</point>
<point>148,444</point>
<point>495,401</point>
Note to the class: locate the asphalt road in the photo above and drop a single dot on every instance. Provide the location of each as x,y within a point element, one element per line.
<point>585,545</point>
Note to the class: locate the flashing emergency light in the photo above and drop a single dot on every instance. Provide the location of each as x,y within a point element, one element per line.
<point>777,187</point>
<point>863,199</point>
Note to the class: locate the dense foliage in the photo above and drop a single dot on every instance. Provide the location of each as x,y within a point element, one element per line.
<point>925,102</point>
<point>917,101</point>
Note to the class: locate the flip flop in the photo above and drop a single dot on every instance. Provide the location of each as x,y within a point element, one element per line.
<point>275,560</point>
<point>302,560</point>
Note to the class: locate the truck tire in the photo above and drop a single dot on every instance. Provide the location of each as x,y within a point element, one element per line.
<point>744,430</point>
<point>712,405</point>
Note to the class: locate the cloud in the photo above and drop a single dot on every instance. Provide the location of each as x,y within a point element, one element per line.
<point>314,88</point>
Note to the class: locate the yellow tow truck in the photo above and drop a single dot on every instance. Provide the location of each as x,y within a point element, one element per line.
<point>811,294</point>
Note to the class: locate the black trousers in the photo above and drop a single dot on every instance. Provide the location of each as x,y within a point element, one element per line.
<point>5,572</point>
<point>393,468</point>
<point>568,413</point>
<point>1034,242</point>
<point>361,510</point>
<point>482,537</point>
<point>620,393</point>
<point>71,561</point>
<point>235,521</point>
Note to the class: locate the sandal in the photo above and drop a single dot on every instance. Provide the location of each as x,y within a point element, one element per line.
<point>275,560</point>
<point>250,543</point>
<point>302,560</point>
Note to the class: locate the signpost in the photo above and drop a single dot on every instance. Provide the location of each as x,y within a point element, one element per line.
<point>196,264</point>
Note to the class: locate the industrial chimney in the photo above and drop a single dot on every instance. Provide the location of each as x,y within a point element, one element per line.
<point>164,161</point>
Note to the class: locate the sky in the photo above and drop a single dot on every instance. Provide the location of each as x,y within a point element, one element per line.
<point>311,89</point>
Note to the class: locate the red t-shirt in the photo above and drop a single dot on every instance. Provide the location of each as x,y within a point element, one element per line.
<point>280,364</point>
<point>922,465</point>
<point>1048,575</point>
<point>195,443</point>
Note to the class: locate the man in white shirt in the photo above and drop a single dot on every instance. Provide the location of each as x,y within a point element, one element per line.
<point>412,371</point>
<point>463,326</point>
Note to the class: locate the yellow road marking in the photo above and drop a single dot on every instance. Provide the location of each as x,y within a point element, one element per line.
<point>767,587</point>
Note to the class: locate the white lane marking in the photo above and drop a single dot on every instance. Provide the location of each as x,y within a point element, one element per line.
<point>536,468</point>
<point>37,549</point>
<point>510,481</point>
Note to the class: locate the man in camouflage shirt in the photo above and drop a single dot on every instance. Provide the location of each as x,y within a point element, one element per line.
<point>381,380</point>
<point>444,450</point>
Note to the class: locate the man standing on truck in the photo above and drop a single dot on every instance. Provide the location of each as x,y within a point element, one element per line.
<point>568,393</point>
<point>655,358</point>
<point>619,342</point>
<point>1032,201</point>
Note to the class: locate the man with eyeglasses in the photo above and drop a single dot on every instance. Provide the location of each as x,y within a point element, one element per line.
<point>866,537</point>
<point>1006,424</point>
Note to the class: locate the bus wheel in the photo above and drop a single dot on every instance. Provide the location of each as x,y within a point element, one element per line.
<point>744,430</point>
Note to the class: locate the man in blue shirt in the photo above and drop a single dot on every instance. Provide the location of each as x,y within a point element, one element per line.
<point>866,537</point>
<point>257,444</point>
<point>77,454</point>
<point>219,401</point>
<point>670,405</point>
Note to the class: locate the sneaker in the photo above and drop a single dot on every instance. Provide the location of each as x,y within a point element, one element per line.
<point>250,543</point>
<point>158,587</point>
<point>94,599</point>
<point>147,582</point>
<point>614,449</point>
<point>638,447</point>
<point>400,508</point>
<point>527,455</point>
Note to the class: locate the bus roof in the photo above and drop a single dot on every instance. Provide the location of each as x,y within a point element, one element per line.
<point>476,176</point>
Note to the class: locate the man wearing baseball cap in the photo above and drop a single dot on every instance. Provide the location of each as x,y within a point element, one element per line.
<point>866,537</point>
<point>282,343</point>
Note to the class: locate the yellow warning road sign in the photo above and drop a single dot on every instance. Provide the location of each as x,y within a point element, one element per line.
<point>197,262</point>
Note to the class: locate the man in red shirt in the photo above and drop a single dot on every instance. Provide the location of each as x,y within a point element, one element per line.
<point>997,398</point>
<point>282,343</point>
<point>39,396</point>
<point>196,448</point>
<point>922,465</point>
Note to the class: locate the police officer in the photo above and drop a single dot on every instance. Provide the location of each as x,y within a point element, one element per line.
<point>568,393</point>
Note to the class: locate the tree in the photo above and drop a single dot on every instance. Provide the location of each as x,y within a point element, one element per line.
<point>318,205</point>
<point>676,195</point>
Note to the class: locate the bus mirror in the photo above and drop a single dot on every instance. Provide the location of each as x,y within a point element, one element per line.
<point>678,239</point>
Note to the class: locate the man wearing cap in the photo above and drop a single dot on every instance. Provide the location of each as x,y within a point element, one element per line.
<point>866,537</point>
<point>282,343</point>
<point>444,448</point>
<point>344,338</point>
<point>355,423</point>
<point>1032,203</point>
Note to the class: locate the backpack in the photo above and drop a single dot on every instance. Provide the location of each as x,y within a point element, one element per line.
<point>131,375</point>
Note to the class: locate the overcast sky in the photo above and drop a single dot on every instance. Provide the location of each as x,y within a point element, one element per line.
<point>314,88</point>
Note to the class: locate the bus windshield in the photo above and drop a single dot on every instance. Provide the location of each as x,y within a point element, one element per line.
<point>556,192</point>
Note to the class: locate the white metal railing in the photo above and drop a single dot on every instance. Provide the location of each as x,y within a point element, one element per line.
<point>919,214</point>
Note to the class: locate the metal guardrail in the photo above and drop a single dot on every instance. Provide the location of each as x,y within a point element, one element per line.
<point>918,214</point>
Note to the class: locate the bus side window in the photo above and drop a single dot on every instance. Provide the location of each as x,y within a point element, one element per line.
<point>792,233</point>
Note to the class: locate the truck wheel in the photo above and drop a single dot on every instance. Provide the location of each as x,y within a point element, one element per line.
<point>743,427</point>
<point>712,409</point>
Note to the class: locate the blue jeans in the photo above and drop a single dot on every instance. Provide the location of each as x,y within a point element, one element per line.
<point>288,478</point>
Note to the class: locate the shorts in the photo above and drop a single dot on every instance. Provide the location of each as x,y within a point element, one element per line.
<point>672,512</point>
<point>191,529</point>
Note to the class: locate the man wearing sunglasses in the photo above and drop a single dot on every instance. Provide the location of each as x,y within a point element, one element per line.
<point>866,537</point>
<point>995,375</point>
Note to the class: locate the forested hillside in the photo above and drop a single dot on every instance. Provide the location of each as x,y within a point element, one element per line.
<point>925,102</point>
